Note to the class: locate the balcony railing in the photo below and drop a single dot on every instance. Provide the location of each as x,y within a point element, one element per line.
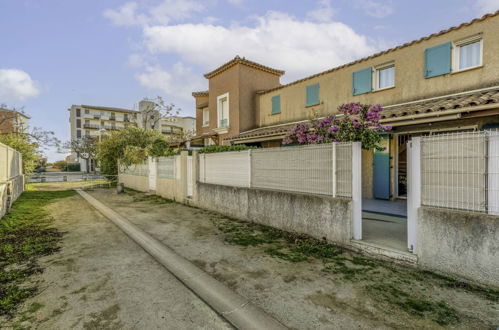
<point>91,126</point>
<point>112,128</point>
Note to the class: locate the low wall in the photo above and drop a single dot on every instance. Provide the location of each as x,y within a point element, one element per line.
<point>171,189</point>
<point>137,182</point>
<point>462,243</point>
<point>318,216</point>
<point>9,192</point>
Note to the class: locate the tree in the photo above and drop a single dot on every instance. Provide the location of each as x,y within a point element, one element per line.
<point>128,146</point>
<point>29,142</point>
<point>359,122</point>
<point>84,147</point>
<point>152,111</point>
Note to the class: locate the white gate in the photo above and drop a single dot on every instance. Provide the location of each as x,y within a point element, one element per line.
<point>153,170</point>
<point>189,176</point>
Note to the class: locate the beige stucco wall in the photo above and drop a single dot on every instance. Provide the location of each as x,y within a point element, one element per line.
<point>410,84</point>
<point>140,183</point>
<point>367,173</point>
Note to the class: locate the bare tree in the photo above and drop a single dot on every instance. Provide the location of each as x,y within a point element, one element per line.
<point>152,111</point>
<point>84,147</point>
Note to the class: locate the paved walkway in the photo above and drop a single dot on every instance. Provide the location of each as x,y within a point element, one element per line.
<point>393,208</point>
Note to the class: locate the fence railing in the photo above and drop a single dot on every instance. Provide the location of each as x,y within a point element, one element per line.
<point>137,169</point>
<point>324,169</point>
<point>461,171</point>
<point>10,163</point>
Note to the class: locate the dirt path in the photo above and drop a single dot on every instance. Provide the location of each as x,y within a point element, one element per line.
<point>328,290</point>
<point>102,280</point>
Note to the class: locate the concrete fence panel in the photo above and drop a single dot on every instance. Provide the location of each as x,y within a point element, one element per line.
<point>226,168</point>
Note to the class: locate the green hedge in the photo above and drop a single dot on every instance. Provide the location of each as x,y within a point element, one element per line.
<point>73,167</point>
<point>237,147</point>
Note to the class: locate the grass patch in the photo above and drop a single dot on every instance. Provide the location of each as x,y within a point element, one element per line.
<point>138,196</point>
<point>438,311</point>
<point>25,235</point>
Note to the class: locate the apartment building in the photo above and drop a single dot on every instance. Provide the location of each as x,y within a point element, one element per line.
<point>12,121</point>
<point>444,82</point>
<point>97,121</point>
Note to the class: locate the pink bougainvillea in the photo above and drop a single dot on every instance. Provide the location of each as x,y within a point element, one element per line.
<point>357,122</point>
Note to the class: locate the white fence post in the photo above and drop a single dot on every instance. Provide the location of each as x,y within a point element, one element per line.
<point>413,191</point>
<point>333,145</point>
<point>493,173</point>
<point>249,168</point>
<point>357,190</point>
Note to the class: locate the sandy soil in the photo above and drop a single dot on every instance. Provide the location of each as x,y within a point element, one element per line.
<point>301,295</point>
<point>102,280</point>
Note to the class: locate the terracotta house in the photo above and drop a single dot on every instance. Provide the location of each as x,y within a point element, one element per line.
<point>229,107</point>
<point>444,82</point>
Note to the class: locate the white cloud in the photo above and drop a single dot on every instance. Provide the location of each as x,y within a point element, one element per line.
<point>177,84</point>
<point>376,9</point>
<point>162,13</point>
<point>487,6</point>
<point>277,40</point>
<point>17,85</point>
<point>126,15</point>
<point>237,3</point>
<point>324,13</point>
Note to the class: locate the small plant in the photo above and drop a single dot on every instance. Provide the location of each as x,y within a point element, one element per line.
<point>359,122</point>
<point>214,148</point>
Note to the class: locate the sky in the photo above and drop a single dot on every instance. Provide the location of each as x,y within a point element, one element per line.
<point>56,53</point>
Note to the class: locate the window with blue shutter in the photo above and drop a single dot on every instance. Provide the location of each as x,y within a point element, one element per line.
<point>312,95</point>
<point>276,104</point>
<point>362,81</point>
<point>437,60</point>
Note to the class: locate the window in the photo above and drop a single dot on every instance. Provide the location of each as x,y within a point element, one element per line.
<point>384,76</point>
<point>78,112</point>
<point>362,81</point>
<point>312,95</point>
<point>206,117</point>
<point>467,53</point>
<point>276,104</point>
<point>223,110</point>
<point>87,111</point>
<point>78,134</point>
<point>78,123</point>
<point>437,60</point>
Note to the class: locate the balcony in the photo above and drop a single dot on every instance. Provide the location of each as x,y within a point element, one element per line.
<point>92,126</point>
<point>112,117</point>
<point>96,116</point>
<point>112,128</point>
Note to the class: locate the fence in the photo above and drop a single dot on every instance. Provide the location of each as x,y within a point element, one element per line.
<point>166,168</point>
<point>324,169</point>
<point>137,170</point>
<point>461,171</point>
<point>10,163</point>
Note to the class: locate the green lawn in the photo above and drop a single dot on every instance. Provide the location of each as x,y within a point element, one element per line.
<point>25,235</point>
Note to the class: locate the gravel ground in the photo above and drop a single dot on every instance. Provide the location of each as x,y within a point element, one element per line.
<point>101,279</point>
<point>303,294</point>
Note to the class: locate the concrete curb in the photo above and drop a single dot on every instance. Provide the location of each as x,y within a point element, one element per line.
<point>237,310</point>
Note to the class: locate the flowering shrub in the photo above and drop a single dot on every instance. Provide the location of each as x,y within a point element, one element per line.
<point>359,122</point>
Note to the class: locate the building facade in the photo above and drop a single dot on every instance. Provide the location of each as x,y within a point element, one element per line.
<point>97,121</point>
<point>12,121</point>
<point>448,81</point>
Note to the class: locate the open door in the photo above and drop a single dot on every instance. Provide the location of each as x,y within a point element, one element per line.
<point>381,168</point>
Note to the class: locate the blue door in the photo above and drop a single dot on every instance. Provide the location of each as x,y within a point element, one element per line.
<point>381,168</point>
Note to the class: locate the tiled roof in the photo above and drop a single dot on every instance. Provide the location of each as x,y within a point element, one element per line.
<point>484,17</point>
<point>200,93</point>
<point>450,103</point>
<point>444,103</point>
<point>242,60</point>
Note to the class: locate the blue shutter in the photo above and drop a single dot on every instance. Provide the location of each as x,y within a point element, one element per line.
<point>312,95</point>
<point>362,81</point>
<point>276,104</point>
<point>437,60</point>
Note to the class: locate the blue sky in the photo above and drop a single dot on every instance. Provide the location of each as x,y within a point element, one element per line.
<point>56,53</point>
